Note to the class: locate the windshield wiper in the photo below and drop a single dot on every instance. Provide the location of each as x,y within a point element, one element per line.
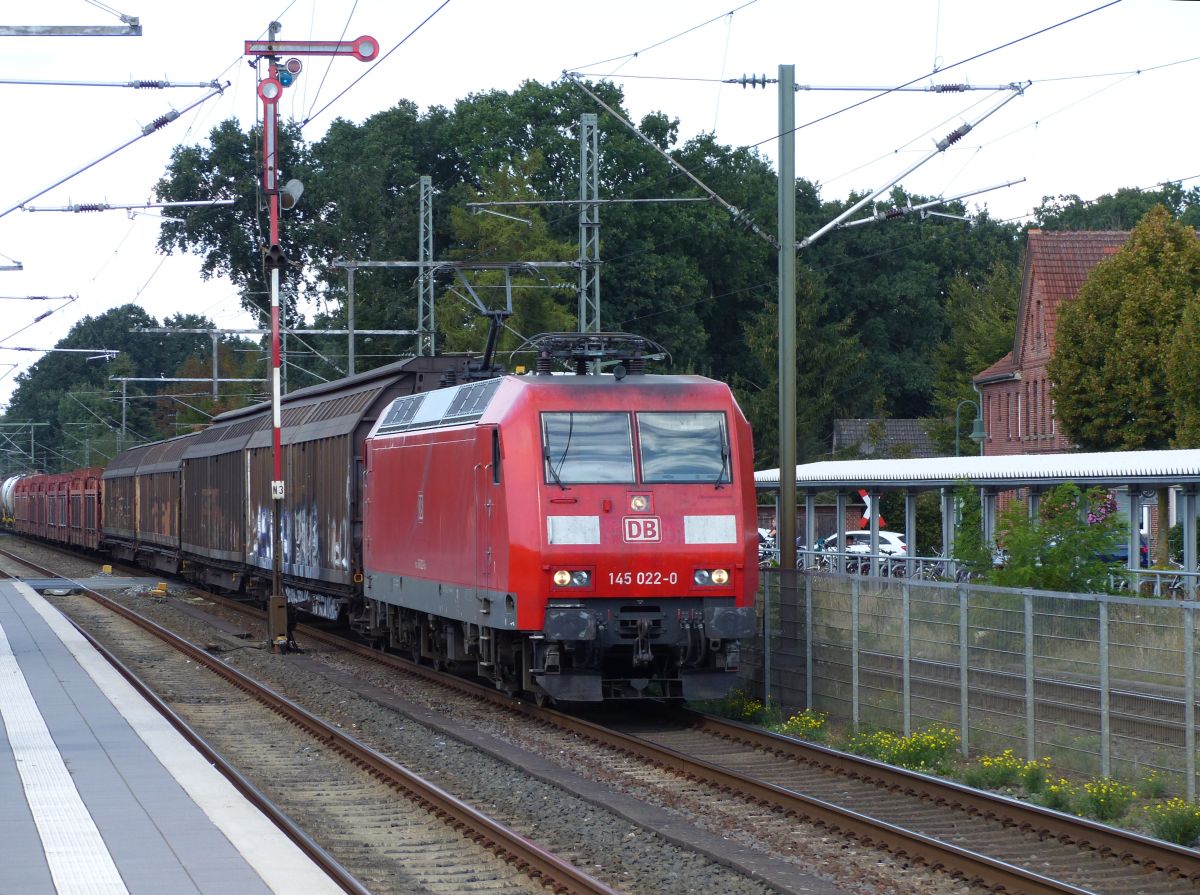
<point>550,466</point>
<point>724,465</point>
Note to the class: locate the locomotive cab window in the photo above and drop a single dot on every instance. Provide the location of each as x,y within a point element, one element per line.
<point>684,447</point>
<point>581,448</point>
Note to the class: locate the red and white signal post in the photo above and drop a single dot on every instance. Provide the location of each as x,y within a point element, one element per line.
<point>270,89</point>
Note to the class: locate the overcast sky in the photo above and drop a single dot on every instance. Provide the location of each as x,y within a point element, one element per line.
<point>1111,104</point>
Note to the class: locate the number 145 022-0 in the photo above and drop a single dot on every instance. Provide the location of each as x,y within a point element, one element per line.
<point>646,578</point>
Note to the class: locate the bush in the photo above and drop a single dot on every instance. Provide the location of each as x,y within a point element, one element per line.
<point>1153,786</point>
<point>739,705</point>
<point>929,751</point>
<point>1059,795</point>
<point>807,725</point>
<point>1106,799</point>
<point>1005,769</point>
<point>1174,820</point>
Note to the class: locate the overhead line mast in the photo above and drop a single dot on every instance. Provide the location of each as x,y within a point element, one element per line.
<point>270,90</point>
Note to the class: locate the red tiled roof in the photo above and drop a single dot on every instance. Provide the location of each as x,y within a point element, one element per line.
<point>1000,369</point>
<point>1062,259</point>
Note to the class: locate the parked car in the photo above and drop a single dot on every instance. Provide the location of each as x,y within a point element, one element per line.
<point>1120,554</point>
<point>890,543</point>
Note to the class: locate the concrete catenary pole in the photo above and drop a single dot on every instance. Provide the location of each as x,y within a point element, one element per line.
<point>786,523</point>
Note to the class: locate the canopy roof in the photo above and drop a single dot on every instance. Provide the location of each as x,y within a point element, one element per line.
<point>1110,469</point>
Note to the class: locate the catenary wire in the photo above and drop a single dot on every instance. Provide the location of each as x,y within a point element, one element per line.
<point>667,40</point>
<point>377,63</point>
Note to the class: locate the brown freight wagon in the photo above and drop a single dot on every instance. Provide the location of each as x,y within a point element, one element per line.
<point>142,503</point>
<point>227,470</point>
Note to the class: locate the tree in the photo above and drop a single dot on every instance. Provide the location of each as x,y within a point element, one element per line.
<point>980,320</point>
<point>1063,549</point>
<point>1120,369</point>
<point>830,364</point>
<point>76,393</point>
<point>1117,211</point>
<point>1112,352</point>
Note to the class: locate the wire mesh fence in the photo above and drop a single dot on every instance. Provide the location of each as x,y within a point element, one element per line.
<point>1101,685</point>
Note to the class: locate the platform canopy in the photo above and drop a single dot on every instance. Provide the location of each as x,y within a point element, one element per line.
<point>1112,469</point>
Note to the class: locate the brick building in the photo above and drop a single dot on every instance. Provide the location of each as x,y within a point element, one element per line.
<point>1018,407</point>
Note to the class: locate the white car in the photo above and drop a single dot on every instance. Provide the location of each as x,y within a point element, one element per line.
<point>890,543</point>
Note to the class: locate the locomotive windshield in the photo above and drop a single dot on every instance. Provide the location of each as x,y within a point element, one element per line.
<point>583,448</point>
<point>683,447</point>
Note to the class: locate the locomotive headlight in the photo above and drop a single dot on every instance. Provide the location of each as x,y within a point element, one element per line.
<point>639,503</point>
<point>706,577</point>
<point>573,578</point>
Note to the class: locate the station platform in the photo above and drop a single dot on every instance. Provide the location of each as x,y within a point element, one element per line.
<point>99,795</point>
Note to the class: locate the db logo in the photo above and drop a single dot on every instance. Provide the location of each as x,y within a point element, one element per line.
<point>642,528</point>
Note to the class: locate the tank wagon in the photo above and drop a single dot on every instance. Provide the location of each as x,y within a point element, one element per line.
<point>574,537</point>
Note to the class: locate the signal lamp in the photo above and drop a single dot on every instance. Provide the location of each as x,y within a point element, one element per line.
<point>639,503</point>
<point>720,576</point>
<point>562,577</point>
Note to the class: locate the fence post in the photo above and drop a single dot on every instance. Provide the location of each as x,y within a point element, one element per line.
<point>964,690</point>
<point>906,634</point>
<point>1105,719</point>
<point>854,695</point>
<point>1189,696</point>
<point>808,642</point>
<point>767,637</point>
<point>1030,735</point>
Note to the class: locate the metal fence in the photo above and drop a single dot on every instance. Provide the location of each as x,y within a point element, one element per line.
<point>1101,685</point>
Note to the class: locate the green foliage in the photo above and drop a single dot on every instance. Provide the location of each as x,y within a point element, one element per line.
<point>1060,794</point>
<point>870,315</point>
<point>971,552</point>
<point>808,725</point>
<point>1118,211</point>
<point>980,320</point>
<point>79,400</point>
<point>1105,799</point>
<point>929,751</point>
<point>1153,786</point>
<point>1124,377</point>
<point>1174,820</point>
<point>740,706</point>
<point>1005,769</point>
<point>1060,549</point>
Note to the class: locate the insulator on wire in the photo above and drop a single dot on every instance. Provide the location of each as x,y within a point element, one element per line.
<point>148,85</point>
<point>160,121</point>
<point>753,81</point>
<point>89,206</point>
<point>954,136</point>
<point>950,88</point>
<point>895,213</point>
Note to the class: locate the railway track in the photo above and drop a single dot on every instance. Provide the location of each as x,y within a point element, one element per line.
<point>991,841</point>
<point>986,839</point>
<point>999,843</point>
<point>317,777</point>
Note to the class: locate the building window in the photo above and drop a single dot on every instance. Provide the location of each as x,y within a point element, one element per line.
<point>1033,412</point>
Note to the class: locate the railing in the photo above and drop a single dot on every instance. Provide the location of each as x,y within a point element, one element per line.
<point>1105,684</point>
<point>1171,583</point>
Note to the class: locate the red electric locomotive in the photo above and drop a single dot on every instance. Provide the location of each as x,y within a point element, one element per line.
<point>580,537</point>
